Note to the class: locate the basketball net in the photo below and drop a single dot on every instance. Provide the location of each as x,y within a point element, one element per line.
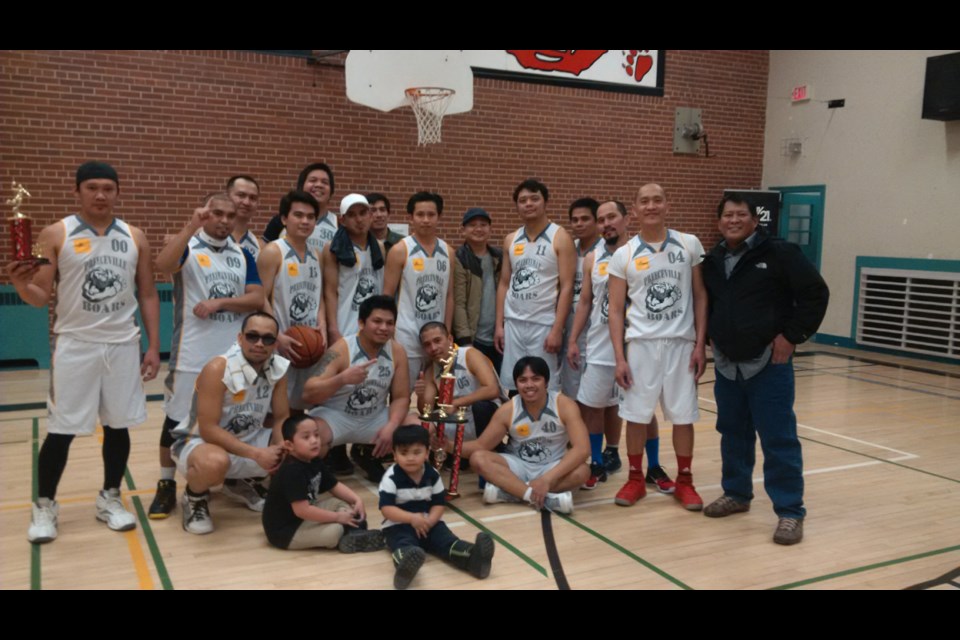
<point>429,104</point>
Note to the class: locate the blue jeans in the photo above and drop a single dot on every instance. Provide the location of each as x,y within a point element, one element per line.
<point>761,405</point>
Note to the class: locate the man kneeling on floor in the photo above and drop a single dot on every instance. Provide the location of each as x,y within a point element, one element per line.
<point>234,394</point>
<point>538,466</point>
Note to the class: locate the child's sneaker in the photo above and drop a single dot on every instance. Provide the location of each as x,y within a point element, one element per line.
<point>408,561</point>
<point>361,541</point>
<point>481,556</point>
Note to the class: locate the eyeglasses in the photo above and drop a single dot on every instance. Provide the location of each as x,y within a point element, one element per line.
<point>268,339</point>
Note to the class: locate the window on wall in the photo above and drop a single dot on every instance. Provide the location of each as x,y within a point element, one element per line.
<point>798,231</point>
<point>916,311</point>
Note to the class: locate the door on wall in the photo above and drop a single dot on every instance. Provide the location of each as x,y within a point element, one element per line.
<point>801,219</point>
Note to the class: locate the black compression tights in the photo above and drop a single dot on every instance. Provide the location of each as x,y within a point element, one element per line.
<point>56,448</point>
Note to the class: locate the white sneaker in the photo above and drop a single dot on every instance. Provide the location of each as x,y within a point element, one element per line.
<point>245,492</point>
<point>43,524</point>
<point>111,510</point>
<point>493,494</point>
<point>559,502</point>
<point>196,514</point>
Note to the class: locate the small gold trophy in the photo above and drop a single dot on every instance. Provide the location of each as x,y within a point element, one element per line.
<point>24,249</point>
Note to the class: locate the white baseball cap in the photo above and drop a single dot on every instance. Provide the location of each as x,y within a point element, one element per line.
<point>351,199</point>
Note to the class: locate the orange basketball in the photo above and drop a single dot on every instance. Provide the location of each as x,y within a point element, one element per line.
<point>312,347</point>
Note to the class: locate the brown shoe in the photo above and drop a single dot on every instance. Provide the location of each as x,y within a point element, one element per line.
<point>725,506</point>
<point>789,531</point>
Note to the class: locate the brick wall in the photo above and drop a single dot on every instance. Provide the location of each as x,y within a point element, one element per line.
<point>177,123</point>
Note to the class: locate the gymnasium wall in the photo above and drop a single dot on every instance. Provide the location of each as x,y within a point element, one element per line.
<point>892,179</point>
<point>177,123</point>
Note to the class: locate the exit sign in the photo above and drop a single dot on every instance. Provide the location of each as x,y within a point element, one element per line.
<point>801,93</point>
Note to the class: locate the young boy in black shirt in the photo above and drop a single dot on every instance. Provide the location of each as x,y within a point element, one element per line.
<point>412,503</point>
<point>297,515</point>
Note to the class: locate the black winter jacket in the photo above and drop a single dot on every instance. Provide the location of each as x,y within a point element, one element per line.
<point>773,289</point>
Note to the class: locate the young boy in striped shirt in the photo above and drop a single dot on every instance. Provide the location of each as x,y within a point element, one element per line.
<point>412,501</point>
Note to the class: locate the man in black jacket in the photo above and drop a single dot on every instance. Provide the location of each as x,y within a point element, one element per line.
<point>765,298</point>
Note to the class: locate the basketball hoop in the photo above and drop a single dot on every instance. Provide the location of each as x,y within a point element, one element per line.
<point>429,104</point>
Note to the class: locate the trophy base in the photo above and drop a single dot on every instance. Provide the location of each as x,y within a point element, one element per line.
<point>34,262</point>
<point>448,418</point>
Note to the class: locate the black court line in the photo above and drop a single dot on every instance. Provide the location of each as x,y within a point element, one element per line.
<point>951,577</point>
<point>552,554</point>
<point>894,386</point>
<point>847,368</point>
<point>865,455</point>
<point>880,375</point>
<point>892,365</point>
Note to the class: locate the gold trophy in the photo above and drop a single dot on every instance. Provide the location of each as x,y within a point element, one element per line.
<point>24,249</point>
<point>445,414</point>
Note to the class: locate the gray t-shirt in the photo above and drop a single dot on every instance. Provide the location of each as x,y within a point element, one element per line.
<point>488,302</point>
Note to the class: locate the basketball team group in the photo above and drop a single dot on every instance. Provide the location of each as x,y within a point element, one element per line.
<point>291,346</point>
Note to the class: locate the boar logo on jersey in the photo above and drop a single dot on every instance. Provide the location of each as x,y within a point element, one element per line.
<point>532,451</point>
<point>366,287</point>
<point>605,308</point>
<point>220,290</point>
<point>362,399</point>
<point>427,297</point>
<point>240,423</point>
<point>101,284</point>
<point>662,296</point>
<point>525,278</point>
<point>300,307</point>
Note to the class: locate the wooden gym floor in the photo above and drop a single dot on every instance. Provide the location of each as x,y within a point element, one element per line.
<point>881,439</point>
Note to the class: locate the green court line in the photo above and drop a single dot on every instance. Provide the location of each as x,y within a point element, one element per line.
<point>26,406</point>
<point>869,567</point>
<point>35,548</point>
<point>520,554</point>
<point>148,534</point>
<point>626,552</point>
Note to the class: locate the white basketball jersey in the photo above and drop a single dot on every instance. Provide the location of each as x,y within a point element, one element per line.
<point>97,281</point>
<point>297,287</point>
<point>356,284</point>
<point>249,242</point>
<point>361,404</point>
<point>423,291</point>
<point>659,285</point>
<point>241,413</point>
<point>535,279</point>
<point>207,273</point>
<point>322,234</point>
<point>578,274</point>
<point>599,345</point>
<point>541,439</point>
